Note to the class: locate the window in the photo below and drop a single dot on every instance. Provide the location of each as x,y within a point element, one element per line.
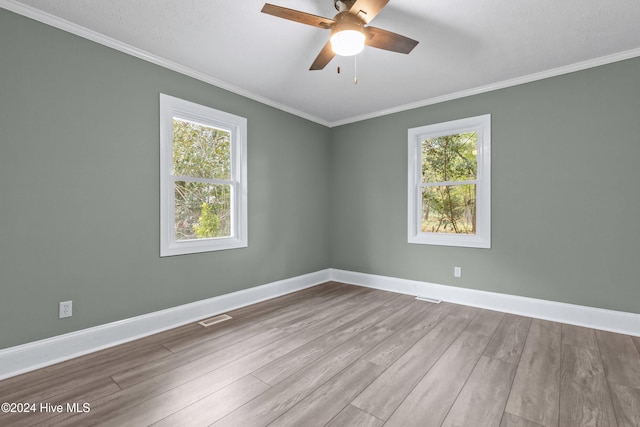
<point>203,178</point>
<point>450,183</point>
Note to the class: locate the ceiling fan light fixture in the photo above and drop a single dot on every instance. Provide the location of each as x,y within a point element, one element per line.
<point>349,29</point>
<point>347,42</point>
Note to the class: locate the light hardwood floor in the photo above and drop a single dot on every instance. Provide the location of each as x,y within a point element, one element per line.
<point>341,355</point>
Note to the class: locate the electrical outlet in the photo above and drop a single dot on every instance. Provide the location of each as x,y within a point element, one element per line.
<point>65,309</point>
<point>457,271</point>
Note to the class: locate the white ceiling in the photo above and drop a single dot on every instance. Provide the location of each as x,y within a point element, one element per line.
<point>466,46</point>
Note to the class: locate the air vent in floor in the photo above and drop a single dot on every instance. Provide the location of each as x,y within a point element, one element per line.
<point>213,320</point>
<point>427,299</point>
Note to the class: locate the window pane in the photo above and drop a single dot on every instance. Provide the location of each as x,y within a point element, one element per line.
<point>449,209</point>
<point>202,210</point>
<point>450,158</point>
<point>201,151</point>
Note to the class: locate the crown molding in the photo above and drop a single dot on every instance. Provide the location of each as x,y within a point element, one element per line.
<point>96,37</point>
<point>99,38</point>
<point>572,68</point>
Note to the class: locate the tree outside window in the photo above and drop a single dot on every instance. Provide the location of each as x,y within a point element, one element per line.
<point>450,183</point>
<point>203,176</point>
<point>202,210</point>
<point>446,159</point>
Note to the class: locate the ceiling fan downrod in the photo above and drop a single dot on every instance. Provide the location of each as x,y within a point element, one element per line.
<point>350,29</point>
<point>343,5</point>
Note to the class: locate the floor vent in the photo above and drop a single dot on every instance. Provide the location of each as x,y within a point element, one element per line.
<point>427,299</point>
<point>213,320</point>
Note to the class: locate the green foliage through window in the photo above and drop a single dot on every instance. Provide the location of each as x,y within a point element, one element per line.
<point>449,171</point>
<point>201,151</point>
<point>202,209</point>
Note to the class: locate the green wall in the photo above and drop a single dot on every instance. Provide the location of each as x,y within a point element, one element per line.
<point>79,188</point>
<point>565,192</point>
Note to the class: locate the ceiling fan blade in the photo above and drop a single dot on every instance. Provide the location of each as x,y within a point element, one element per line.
<point>297,16</point>
<point>323,58</point>
<point>367,9</point>
<point>383,39</point>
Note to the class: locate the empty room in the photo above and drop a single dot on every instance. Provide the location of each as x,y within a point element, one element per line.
<point>319,213</point>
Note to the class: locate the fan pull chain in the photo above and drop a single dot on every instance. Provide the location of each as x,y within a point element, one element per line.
<point>355,69</point>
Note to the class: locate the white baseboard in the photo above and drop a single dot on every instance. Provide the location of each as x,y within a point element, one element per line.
<point>590,317</point>
<point>38,354</point>
<point>27,357</point>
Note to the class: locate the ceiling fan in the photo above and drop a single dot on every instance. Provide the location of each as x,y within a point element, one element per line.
<point>349,29</point>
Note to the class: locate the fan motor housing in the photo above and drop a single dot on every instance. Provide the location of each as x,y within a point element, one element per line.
<point>347,21</point>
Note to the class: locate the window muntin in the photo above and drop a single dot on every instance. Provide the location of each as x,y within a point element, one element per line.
<point>449,183</point>
<point>449,172</point>
<point>203,178</point>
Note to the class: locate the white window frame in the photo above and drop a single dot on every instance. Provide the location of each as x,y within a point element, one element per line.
<point>170,108</point>
<point>482,238</point>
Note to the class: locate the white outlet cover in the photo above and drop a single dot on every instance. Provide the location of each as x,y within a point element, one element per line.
<point>65,309</point>
<point>457,271</point>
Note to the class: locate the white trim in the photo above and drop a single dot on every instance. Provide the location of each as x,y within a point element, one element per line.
<point>27,357</point>
<point>482,238</point>
<point>38,354</point>
<point>94,36</point>
<point>439,184</point>
<point>171,108</point>
<point>590,317</point>
<point>554,72</point>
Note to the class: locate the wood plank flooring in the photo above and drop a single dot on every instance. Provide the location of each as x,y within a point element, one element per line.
<point>339,355</point>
